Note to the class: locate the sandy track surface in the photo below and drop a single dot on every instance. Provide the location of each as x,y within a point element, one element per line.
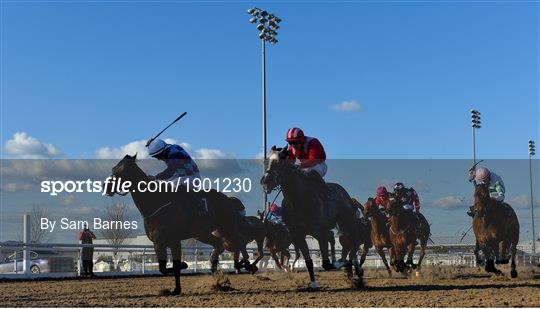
<point>440,287</point>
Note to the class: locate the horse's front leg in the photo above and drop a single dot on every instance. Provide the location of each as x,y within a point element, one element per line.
<point>161,255</point>
<point>332,242</point>
<point>365,250</point>
<point>502,253</point>
<point>300,242</point>
<point>217,246</point>
<point>322,239</point>
<point>260,255</point>
<point>237,264</point>
<point>383,257</point>
<point>176,252</point>
<point>410,254</point>
<point>479,261</point>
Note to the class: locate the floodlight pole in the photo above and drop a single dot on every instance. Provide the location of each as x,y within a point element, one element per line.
<point>531,153</point>
<point>268,26</point>
<point>265,159</point>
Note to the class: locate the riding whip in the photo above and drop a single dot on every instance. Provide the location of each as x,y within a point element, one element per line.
<point>153,138</point>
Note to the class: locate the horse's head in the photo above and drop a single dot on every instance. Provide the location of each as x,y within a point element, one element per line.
<point>277,164</point>
<point>481,199</point>
<point>121,172</point>
<point>369,208</point>
<point>394,206</point>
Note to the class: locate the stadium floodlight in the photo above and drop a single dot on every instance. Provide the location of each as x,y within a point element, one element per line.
<point>476,124</point>
<point>267,27</point>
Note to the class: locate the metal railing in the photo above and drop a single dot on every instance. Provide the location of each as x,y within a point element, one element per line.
<point>124,260</point>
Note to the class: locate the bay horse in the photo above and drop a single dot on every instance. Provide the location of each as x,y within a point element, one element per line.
<point>307,212</point>
<point>496,228</point>
<point>404,233</point>
<point>170,217</point>
<point>380,233</point>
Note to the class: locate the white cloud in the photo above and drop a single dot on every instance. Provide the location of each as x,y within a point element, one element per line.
<point>206,153</point>
<point>346,106</point>
<point>68,200</point>
<point>23,146</point>
<point>450,203</point>
<point>521,201</point>
<point>15,187</point>
<point>135,147</point>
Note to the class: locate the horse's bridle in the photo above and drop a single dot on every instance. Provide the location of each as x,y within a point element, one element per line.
<point>113,192</point>
<point>276,177</point>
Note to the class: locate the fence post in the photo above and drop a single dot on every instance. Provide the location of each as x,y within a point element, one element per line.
<point>79,262</point>
<point>196,260</point>
<point>26,239</point>
<point>15,268</point>
<point>143,261</point>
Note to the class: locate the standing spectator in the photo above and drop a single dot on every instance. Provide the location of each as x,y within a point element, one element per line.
<point>87,254</point>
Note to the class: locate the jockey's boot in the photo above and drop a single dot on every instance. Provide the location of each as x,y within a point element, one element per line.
<point>319,183</point>
<point>471,211</point>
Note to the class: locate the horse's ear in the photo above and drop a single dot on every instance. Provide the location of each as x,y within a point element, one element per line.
<point>283,153</point>
<point>273,148</point>
<point>127,157</point>
<point>135,156</point>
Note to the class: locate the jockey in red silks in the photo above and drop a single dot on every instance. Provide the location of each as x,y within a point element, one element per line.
<point>382,198</point>
<point>308,154</point>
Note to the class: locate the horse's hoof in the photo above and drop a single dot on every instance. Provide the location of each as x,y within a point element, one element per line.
<point>313,286</point>
<point>183,265</point>
<point>245,263</point>
<point>338,264</point>
<point>326,265</point>
<point>513,274</point>
<point>176,292</point>
<point>480,262</point>
<point>254,269</point>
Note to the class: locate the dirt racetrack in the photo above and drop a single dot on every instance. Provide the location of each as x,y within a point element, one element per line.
<point>441,287</point>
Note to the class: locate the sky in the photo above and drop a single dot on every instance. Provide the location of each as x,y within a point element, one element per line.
<point>370,79</point>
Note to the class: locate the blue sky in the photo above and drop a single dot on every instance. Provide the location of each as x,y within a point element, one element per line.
<point>94,79</point>
<point>84,75</point>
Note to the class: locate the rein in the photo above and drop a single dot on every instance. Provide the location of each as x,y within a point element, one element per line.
<point>400,233</point>
<point>157,210</point>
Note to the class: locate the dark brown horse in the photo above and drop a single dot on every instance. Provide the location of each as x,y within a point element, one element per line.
<point>364,230</point>
<point>170,217</point>
<point>380,233</point>
<point>307,212</point>
<point>404,232</point>
<point>277,242</point>
<point>253,229</point>
<point>496,228</point>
